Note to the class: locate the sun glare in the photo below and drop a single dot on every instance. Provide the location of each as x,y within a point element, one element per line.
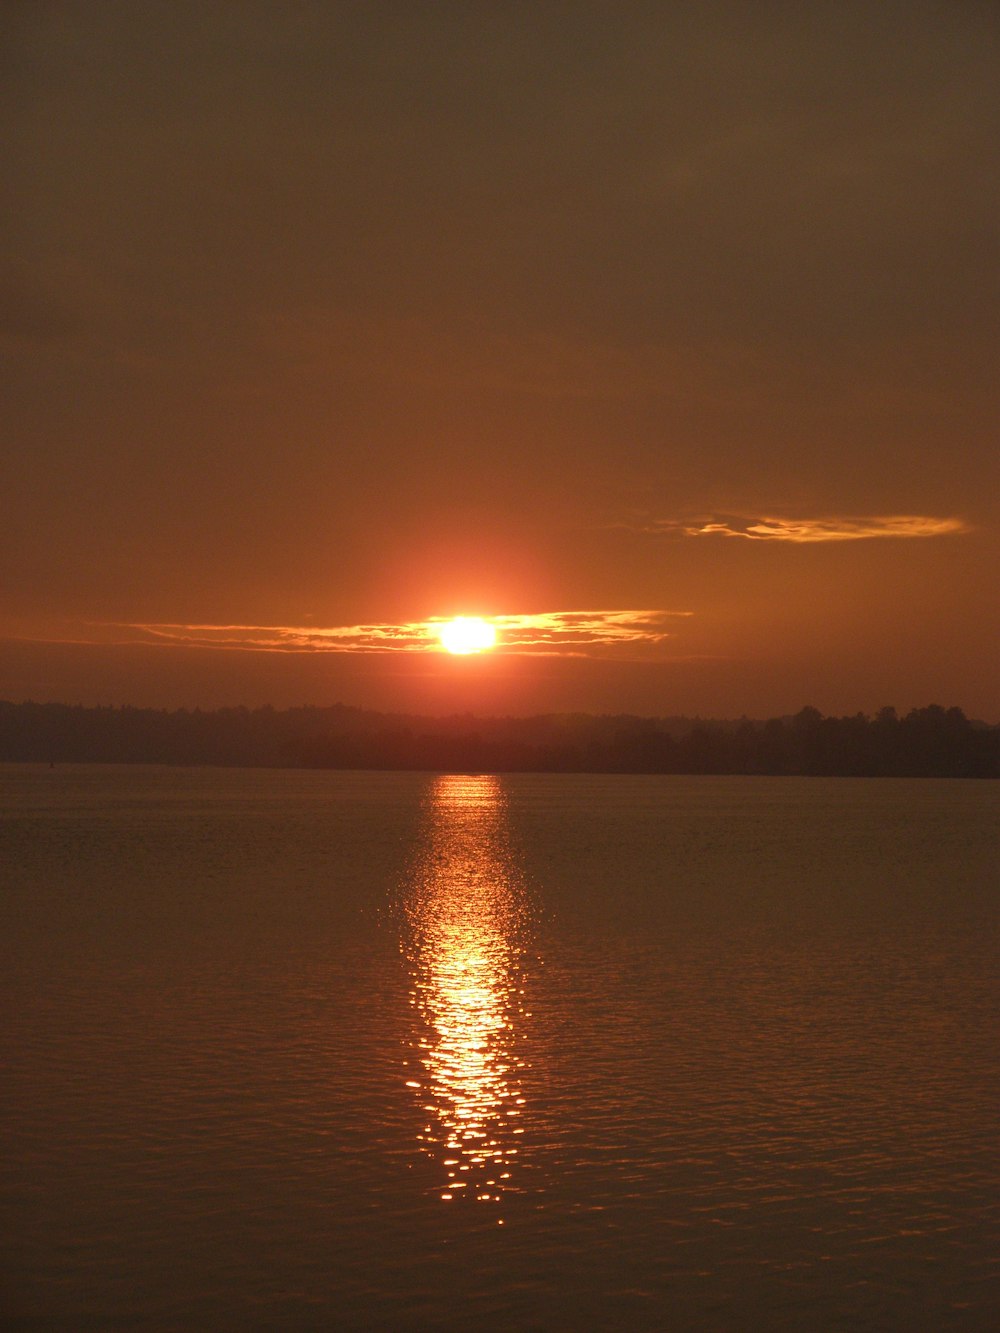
<point>467,634</point>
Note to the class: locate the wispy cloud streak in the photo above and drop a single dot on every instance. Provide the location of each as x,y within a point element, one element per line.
<point>576,631</point>
<point>804,530</point>
<point>559,633</point>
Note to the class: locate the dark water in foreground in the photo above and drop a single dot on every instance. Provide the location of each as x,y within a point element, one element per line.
<point>295,1050</point>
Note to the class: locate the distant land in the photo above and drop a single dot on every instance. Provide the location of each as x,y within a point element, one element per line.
<point>927,742</point>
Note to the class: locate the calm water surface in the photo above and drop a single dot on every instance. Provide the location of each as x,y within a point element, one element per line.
<point>354,1050</point>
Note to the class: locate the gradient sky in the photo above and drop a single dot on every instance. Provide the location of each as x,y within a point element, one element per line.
<point>323,319</point>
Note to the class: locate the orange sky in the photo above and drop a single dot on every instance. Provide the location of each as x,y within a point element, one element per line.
<point>327,316</point>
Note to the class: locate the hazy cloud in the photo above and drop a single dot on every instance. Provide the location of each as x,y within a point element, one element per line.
<point>31,311</point>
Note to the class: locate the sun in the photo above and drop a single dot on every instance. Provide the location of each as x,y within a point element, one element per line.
<point>467,634</point>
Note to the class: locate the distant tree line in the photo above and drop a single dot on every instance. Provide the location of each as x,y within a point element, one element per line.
<point>927,742</point>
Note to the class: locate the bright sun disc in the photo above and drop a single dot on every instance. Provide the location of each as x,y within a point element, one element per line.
<point>467,634</point>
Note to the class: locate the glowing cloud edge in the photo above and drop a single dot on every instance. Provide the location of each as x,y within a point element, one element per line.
<point>800,531</point>
<point>577,633</point>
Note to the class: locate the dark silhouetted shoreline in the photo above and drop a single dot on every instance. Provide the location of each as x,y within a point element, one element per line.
<point>927,742</point>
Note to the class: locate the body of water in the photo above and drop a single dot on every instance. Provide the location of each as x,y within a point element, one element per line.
<point>367,1050</point>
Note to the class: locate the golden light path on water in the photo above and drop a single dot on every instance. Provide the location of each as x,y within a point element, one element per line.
<point>465,930</point>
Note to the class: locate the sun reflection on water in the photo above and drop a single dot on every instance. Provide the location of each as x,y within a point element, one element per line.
<point>465,928</point>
